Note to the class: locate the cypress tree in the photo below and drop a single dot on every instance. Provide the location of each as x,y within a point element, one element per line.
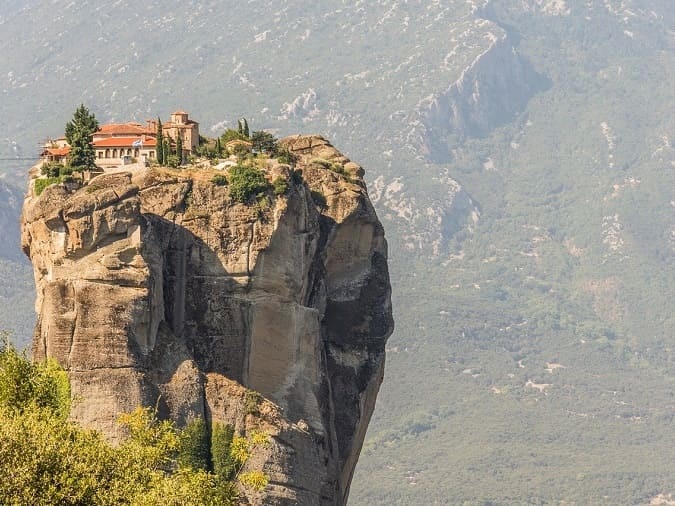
<point>246,132</point>
<point>160,142</point>
<point>179,148</point>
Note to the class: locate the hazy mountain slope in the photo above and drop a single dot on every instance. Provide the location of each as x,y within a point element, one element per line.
<point>16,280</point>
<point>570,265</point>
<point>520,156</point>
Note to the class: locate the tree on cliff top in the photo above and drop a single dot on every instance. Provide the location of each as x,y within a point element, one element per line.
<point>264,142</point>
<point>243,127</point>
<point>78,134</point>
<point>160,143</point>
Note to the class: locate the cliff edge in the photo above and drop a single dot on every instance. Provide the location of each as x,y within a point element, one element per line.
<point>156,288</point>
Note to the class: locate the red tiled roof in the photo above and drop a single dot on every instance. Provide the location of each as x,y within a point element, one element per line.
<point>124,142</point>
<point>57,151</point>
<point>122,129</point>
<point>178,112</point>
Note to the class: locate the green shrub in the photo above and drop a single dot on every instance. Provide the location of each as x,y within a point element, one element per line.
<point>193,449</point>
<point>173,161</point>
<point>255,480</point>
<point>322,162</point>
<point>240,150</point>
<point>280,185</point>
<point>224,464</point>
<point>246,182</point>
<point>327,164</point>
<point>41,184</point>
<point>45,457</point>
<point>52,169</point>
<point>285,156</point>
<point>219,180</point>
<point>25,384</point>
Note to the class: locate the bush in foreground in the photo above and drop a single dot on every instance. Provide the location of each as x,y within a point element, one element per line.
<point>46,460</point>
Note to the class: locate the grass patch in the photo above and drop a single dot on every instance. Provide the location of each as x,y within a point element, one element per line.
<point>41,184</point>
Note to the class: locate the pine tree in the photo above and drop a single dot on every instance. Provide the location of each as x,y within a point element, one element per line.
<point>160,142</point>
<point>78,134</point>
<point>265,142</point>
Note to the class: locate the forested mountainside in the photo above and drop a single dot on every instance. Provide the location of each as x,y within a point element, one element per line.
<point>520,157</point>
<point>16,294</point>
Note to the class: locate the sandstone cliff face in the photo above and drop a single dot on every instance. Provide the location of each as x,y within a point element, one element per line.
<point>155,288</point>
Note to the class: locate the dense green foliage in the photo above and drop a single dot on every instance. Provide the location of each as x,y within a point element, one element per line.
<point>231,134</point>
<point>245,182</point>
<point>79,133</point>
<point>25,385</point>
<point>219,180</point>
<point>56,173</point>
<point>193,446</point>
<point>47,460</point>
<point>224,464</point>
<point>264,142</point>
<point>54,169</point>
<point>280,185</point>
<point>42,183</point>
<point>172,161</point>
<point>285,156</point>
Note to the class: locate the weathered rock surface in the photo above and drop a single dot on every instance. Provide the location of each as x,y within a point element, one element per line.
<point>155,288</point>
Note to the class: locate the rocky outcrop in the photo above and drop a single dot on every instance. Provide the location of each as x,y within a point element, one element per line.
<point>495,87</point>
<point>156,288</point>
